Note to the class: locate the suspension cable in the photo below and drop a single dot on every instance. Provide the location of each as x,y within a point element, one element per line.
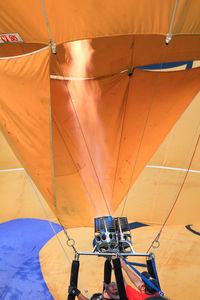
<point>131,70</point>
<point>51,136</point>
<point>185,177</point>
<point>178,169</point>
<point>169,35</point>
<point>53,46</point>
<point>84,139</point>
<point>156,240</point>
<point>121,134</point>
<point>75,165</point>
<point>168,39</point>
<point>157,76</point>
<point>55,233</point>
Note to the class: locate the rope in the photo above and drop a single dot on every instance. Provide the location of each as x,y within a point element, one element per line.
<point>84,139</point>
<point>50,223</point>
<point>51,136</point>
<point>123,117</point>
<point>70,154</point>
<point>55,233</point>
<point>53,46</point>
<point>168,39</point>
<point>123,120</point>
<point>74,163</point>
<point>144,129</point>
<point>156,240</point>
<point>155,244</point>
<point>173,17</point>
<point>169,35</point>
<point>144,278</point>
<point>93,78</point>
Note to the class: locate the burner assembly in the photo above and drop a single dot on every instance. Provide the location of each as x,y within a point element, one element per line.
<point>112,235</point>
<point>113,241</point>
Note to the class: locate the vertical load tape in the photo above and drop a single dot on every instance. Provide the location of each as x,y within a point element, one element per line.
<point>74,277</point>
<point>151,267</point>
<point>119,279</point>
<point>107,271</point>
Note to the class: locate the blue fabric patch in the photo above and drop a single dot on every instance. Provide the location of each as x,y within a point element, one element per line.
<point>188,227</point>
<point>135,225</point>
<point>20,243</point>
<point>167,65</point>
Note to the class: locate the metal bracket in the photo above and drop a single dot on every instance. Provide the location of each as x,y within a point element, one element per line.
<point>53,47</point>
<point>110,254</point>
<point>168,38</point>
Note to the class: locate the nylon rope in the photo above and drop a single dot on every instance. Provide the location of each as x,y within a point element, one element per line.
<point>64,229</point>
<point>74,163</point>
<point>158,290</point>
<point>185,177</point>
<point>169,36</point>
<point>121,134</point>
<point>153,96</point>
<point>84,139</point>
<point>51,225</point>
<point>54,189</point>
<point>173,17</point>
<point>178,193</point>
<point>158,177</point>
<point>157,76</point>
<point>51,137</point>
<point>123,119</point>
<point>48,28</point>
<point>162,167</point>
<point>75,78</point>
<point>54,192</point>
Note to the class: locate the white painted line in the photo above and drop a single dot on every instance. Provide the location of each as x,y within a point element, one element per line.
<point>10,170</point>
<point>170,168</point>
<point>147,166</point>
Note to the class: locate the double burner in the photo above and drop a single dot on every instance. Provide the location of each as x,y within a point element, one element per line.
<point>111,235</point>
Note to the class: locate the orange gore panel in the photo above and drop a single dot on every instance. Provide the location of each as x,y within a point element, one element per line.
<point>106,130</point>
<point>113,54</point>
<point>24,114</point>
<point>7,50</point>
<point>77,19</point>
